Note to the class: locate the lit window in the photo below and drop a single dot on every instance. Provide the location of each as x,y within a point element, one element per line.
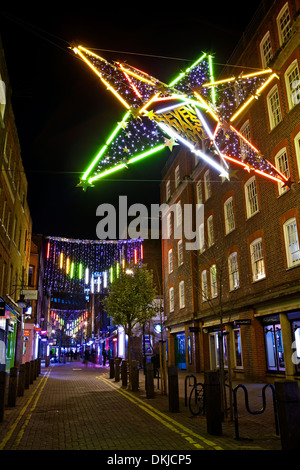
<point>291,242</point>
<point>180,252</point>
<point>257,260</point>
<point>199,193</point>
<point>204,286</point>
<point>207,185</point>
<point>233,270</point>
<point>281,162</point>
<point>2,97</point>
<point>292,81</point>
<point>171,299</point>
<point>170,260</point>
<point>237,348</point>
<point>210,231</point>
<point>168,190</point>
<point>297,149</point>
<point>178,214</point>
<point>251,197</point>
<point>213,281</point>
<point>266,50</point>
<point>274,109</point>
<point>229,215</point>
<point>284,24</point>
<point>169,225</point>
<point>201,238</point>
<point>181,294</point>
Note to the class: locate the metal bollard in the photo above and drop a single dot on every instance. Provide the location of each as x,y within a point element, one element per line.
<point>117,370</point>
<point>3,381</point>
<point>31,375</point>
<point>111,368</point>
<point>213,412</point>
<point>149,381</point>
<point>13,385</point>
<point>134,376</point>
<point>124,373</point>
<point>21,381</point>
<point>27,375</point>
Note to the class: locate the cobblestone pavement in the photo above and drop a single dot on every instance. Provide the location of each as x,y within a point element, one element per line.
<point>76,407</point>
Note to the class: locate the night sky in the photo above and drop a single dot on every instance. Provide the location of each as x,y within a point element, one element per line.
<point>64,115</point>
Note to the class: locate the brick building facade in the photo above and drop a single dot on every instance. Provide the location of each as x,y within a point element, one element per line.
<point>245,276</point>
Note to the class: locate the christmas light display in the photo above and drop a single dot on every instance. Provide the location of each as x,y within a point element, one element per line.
<point>81,267</point>
<point>193,110</point>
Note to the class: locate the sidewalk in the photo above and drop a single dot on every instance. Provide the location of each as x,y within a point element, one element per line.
<point>255,431</point>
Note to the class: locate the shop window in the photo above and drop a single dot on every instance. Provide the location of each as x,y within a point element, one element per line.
<point>238,358</point>
<point>274,348</point>
<point>296,345</point>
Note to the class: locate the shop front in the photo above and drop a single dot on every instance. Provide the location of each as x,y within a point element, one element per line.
<point>8,335</point>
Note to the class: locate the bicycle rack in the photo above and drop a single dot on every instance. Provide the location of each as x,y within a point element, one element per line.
<point>185,386</point>
<point>248,408</point>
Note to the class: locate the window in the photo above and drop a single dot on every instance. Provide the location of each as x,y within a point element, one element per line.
<point>181,295</point>
<point>238,359</point>
<point>274,347</point>
<point>170,260</point>
<point>180,253</point>
<point>229,215</point>
<point>213,281</point>
<point>31,276</point>
<point>266,50</point>
<point>251,197</point>
<point>2,97</point>
<point>233,271</point>
<point>292,81</point>
<point>201,238</point>
<point>207,185</point>
<point>297,149</point>
<point>177,176</point>
<point>284,24</point>
<point>199,193</point>
<point>204,285</point>
<point>274,107</point>
<point>169,225</point>
<point>178,214</point>
<point>281,162</point>
<point>257,260</point>
<point>171,299</point>
<point>291,242</point>
<point>168,190</point>
<point>210,231</point>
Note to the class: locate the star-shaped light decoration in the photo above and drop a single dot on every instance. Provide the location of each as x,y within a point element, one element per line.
<point>193,110</point>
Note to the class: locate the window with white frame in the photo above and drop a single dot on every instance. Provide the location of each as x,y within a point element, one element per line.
<point>171,299</point>
<point>169,225</point>
<point>274,108</point>
<point>180,253</point>
<point>177,176</point>
<point>178,215</point>
<point>292,82</point>
<point>238,358</point>
<point>281,162</point>
<point>199,193</point>
<point>201,238</point>
<point>291,242</point>
<point>284,24</point>
<point>168,190</point>
<point>204,287</point>
<point>297,149</point>
<point>2,97</point>
<point>251,197</point>
<point>213,281</point>
<point>170,260</point>
<point>233,271</point>
<point>266,52</point>
<point>229,215</point>
<point>181,295</point>
<point>257,260</point>
<point>207,185</point>
<point>246,132</point>
<point>210,231</point>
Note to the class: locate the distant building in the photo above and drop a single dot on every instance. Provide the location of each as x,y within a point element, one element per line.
<point>247,270</point>
<point>15,226</point>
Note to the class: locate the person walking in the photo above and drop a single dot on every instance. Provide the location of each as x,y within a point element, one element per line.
<point>104,356</point>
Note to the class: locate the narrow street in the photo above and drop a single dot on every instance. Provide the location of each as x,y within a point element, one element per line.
<point>77,407</point>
